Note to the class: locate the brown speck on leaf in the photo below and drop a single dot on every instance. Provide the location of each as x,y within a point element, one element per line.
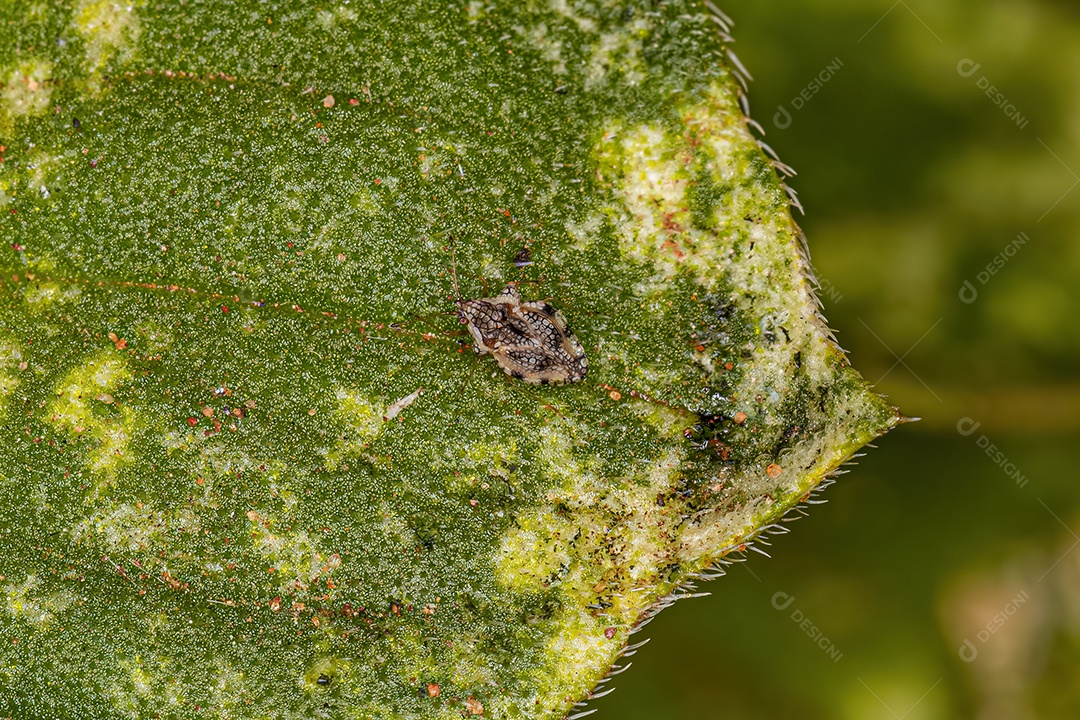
<point>609,633</point>
<point>615,395</point>
<point>774,470</point>
<point>312,411</point>
<point>119,342</point>
<point>105,398</point>
<point>328,101</point>
<point>432,690</point>
<point>740,417</point>
<point>341,257</point>
<point>207,411</point>
<point>722,449</point>
<point>22,366</point>
<point>473,706</point>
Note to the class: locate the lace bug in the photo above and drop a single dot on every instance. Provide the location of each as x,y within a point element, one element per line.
<point>529,339</point>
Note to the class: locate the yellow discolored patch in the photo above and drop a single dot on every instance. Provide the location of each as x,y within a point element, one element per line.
<point>128,528</point>
<point>585,23</point>
<point>44,295</point>
<point>575,654</point>
<point>26,90</point>
<point>11,359</point>
<point>536,552</point>
<point>365,202</point>
<point>618,52</point>
<point>586,232</point>
<point>475,10</point>
<point>8,383</point>
<point>85,407</point>
<point>669,422</point>
<point>362,421</point>
<point>556,452</point>
<point>653,167</point>
<point>550,47</point>
<point>228,688</point>
<point>653,183</point>
<point>24,603</point>
<point>598,539</point>
<point>293,560</point>
<point>478,463</point>
<point>108,30</point>
<point>147,679</point>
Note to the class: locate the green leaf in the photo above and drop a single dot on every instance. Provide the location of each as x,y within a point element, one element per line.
<point>250,466</point>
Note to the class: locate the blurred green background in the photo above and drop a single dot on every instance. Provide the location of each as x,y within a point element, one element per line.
<point>942,577</point>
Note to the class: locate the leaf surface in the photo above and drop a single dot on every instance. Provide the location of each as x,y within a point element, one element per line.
<point>250,465</point>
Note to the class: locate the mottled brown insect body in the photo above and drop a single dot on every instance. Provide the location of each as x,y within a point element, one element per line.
<point>530,340</point>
